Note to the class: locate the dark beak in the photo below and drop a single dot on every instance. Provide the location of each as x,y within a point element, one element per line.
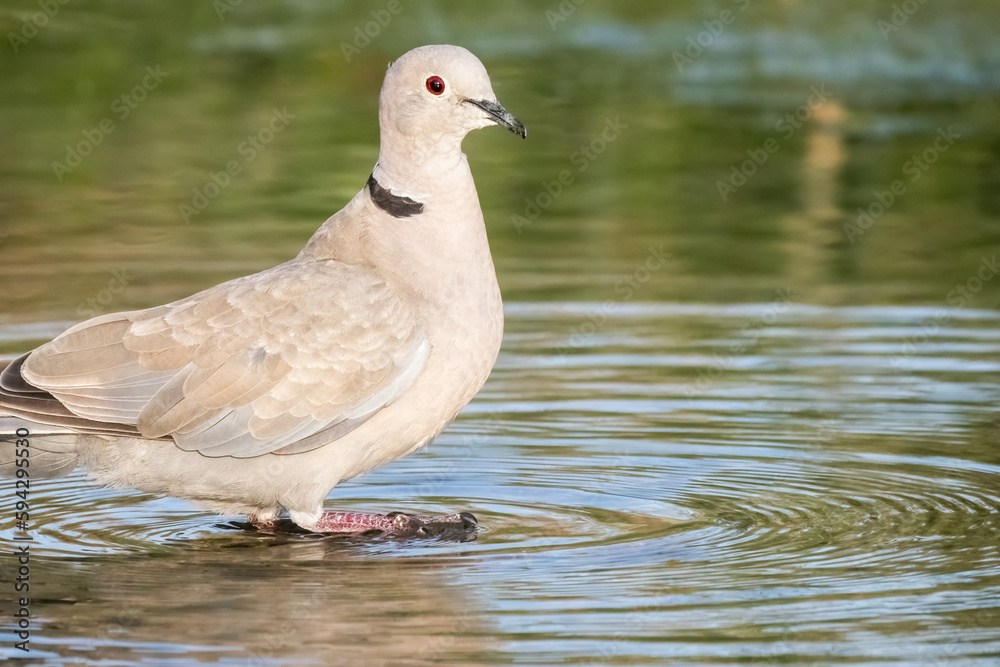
<point>500,116</point>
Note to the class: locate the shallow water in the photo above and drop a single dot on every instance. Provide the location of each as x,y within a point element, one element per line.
<point>720,431</point>
<point>811,502</point>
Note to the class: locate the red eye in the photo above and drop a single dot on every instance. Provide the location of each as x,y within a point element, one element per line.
<point>435,85</point>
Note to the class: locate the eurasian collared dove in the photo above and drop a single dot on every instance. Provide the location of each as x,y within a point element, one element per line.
<point>259,395</point>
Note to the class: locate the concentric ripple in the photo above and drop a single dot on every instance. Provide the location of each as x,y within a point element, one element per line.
<point>809,501</point>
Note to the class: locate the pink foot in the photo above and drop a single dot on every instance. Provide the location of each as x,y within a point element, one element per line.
<point>266,525</point>
<point>395,523</point>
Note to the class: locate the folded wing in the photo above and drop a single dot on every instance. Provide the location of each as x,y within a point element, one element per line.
<point>282,361</point>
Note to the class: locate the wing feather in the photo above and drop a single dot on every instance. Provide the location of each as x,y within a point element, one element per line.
<point>285,360</point>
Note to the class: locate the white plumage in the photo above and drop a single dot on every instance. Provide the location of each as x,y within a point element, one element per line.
<point>260,394</point>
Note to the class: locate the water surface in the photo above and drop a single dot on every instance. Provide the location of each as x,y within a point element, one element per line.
<point>725,427</point>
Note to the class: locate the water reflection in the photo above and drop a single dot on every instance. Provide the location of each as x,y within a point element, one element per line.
<point>809,498</point>
<point>780,445</point>
<point>303,602</point>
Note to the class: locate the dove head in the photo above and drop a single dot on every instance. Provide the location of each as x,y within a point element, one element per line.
<point>431,98</point>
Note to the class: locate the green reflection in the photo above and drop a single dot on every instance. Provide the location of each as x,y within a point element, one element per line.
<point>674,128</point>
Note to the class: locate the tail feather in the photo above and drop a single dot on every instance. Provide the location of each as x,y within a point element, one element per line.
<point>49,451</point>
<point>19,397</point>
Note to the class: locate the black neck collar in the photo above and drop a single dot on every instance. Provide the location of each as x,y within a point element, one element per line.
<point>394,205</point>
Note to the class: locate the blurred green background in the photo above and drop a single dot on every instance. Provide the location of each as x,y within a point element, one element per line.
<point>692,87</point>
<point>708,477</point>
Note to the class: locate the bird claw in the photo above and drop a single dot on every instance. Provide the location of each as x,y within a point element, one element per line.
<point>461,526</point>
<point>452,525</point>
